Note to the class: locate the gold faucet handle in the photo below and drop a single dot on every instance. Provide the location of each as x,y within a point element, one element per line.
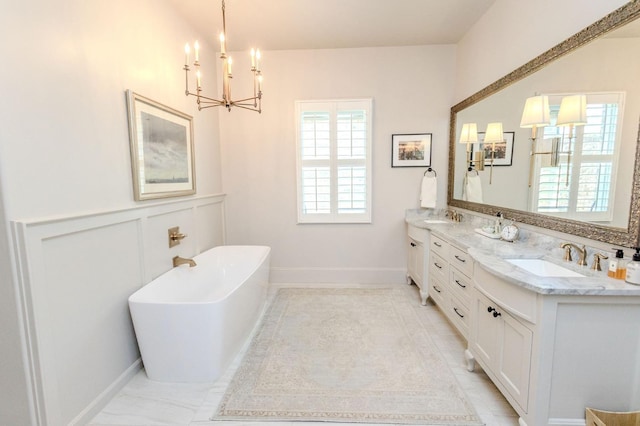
<point>567,252</point>
<point>176,236</point>
<point>596,261</point>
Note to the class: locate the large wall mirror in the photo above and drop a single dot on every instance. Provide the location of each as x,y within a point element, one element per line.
<point>575,175</point>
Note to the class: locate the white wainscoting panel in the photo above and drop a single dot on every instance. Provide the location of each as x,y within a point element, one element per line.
<point>75,276</point>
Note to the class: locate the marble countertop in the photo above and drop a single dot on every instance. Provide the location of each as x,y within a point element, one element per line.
<point>491,254</point>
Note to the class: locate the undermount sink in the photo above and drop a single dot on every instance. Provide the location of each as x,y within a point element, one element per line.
<point>436,221</point>
<point>543,268</point>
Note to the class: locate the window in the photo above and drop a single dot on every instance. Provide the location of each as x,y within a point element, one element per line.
<point>334,161</point>
<point>581,186</point>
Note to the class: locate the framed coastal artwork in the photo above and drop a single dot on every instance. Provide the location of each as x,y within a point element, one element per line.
<point>411,150</point>
<point>162,156</point>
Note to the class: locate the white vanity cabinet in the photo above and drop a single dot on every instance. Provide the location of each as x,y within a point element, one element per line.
<point>553,355</point>
<point>417,259</point>
<point>503,343</point>
<point>450,270</point>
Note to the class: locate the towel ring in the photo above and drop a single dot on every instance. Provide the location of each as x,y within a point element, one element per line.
<point>430,170</point>
<point>471,169</point>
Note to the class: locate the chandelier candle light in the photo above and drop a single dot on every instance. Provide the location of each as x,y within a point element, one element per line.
<point>253,103</point>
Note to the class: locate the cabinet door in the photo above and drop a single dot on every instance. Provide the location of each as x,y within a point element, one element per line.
<point>504,345</point>
<point>514,361</point>
<point>415,262</point>
<point>485,330</point>
<point>419,251</point>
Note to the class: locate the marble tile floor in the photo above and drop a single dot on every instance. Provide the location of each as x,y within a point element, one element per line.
<point>143,402</point>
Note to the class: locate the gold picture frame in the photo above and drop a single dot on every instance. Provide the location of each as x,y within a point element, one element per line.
<point>162,154</point>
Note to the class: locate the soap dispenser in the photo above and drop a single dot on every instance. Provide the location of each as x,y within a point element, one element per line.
<point>618,266</point>
<point>633,268</point>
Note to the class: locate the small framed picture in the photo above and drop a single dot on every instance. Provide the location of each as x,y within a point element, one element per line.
<point>162,157</point>
<point>504,150</point>
<point>411,150</point>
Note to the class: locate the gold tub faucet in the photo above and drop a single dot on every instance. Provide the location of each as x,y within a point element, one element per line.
<point>177,261</point>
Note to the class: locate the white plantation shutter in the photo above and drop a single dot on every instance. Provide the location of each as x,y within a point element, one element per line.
<point>585,190</point>
<point>334,161</point>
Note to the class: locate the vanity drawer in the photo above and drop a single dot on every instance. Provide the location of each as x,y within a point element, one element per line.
<point>458,314</point>
<point>438,292</point>
<point>461,260</point>
<point>460,285</point>
<point>438,267</point>
<point>440,246</point>
<point>418,234</point>
<point>518,300</point>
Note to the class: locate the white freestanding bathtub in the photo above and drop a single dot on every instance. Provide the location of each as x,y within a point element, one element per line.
<point>191,322</point>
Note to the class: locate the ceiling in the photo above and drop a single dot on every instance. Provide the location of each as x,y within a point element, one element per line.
<point>331,24</point>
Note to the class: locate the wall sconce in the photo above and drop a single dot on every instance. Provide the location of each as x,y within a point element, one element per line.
<point>534,115</point>
<point>573,112</point>
<point>493,135</point>
<point>468,136</point>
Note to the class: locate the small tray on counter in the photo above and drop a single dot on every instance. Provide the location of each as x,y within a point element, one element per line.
<point>487,234</point>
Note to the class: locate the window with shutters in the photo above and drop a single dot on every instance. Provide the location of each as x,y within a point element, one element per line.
<point>581,186</point>
<point>334,161</point>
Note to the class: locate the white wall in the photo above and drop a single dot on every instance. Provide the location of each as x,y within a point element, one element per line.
<point>512,33</point>
<point>412,91</point>
<point>64,153</point>
<point>65,143</point>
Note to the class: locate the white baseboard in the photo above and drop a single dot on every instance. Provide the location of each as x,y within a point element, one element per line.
<point>107,395</point>
<point>566,422</point>
<point>338,275</point>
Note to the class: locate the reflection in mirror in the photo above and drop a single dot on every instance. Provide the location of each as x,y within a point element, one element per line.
<point>572,127</point>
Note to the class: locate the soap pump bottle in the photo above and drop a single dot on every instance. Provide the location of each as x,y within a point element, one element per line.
<point>633,268</point>
<point>618,266</point>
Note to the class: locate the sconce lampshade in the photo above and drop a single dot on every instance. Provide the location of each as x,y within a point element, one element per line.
<point>494,133</point>
<point>469,133</point>
<point>536,112</point>
<point>573,111</point>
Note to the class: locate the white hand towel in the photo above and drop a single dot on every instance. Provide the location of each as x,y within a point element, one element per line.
<point>472,190</point>
<point>429,192</point>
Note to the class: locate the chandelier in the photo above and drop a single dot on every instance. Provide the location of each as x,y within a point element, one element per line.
<point>253,103</point>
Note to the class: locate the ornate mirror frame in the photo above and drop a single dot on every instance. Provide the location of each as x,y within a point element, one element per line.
<point>617,236</point>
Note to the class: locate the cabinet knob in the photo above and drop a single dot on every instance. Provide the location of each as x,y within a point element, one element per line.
<point>413,244</point>
<point>491,309</point>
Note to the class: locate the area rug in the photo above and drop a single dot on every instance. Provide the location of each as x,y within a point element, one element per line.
<point>344,355</point>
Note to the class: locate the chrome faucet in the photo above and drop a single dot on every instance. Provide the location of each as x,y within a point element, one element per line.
<point>177,261</point>
<point>582,252</point>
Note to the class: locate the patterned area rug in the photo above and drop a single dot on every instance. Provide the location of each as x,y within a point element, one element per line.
<point>344,355</point>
